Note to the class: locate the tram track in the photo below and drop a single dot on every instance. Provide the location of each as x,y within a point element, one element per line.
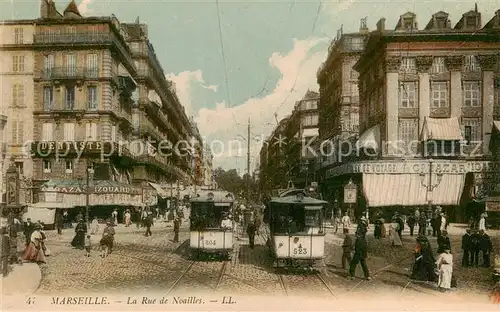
<point>297,280</point>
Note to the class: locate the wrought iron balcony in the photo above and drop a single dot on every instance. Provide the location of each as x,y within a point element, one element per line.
<point>72,38</point>
<point>71,73</point>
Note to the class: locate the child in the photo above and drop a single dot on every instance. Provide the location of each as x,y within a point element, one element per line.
<point>87,246</point>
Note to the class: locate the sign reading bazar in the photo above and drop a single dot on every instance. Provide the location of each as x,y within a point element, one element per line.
<point>415,167</point>
<point>94,190</point>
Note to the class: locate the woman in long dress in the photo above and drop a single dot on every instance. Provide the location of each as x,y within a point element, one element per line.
<point>128,221</point>
<point>482,222</point>
<point>393,233</point>
<point>94,227</point>
<point>445,268</point>
<point>423,268</point>
<point>34,251</point>
<point>79,239</point>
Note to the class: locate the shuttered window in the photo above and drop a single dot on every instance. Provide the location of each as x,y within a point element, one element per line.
<point>47,131</point>
<point>91,131</point>
<point>69,132</point>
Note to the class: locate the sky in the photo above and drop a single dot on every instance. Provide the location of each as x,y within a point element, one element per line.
<point>269,51</point>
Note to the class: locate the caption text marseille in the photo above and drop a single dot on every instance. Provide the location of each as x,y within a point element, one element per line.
<point>175,300</point>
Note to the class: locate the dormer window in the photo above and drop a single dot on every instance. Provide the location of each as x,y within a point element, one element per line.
<point>441,22</point>
<point>407,23</point>
<point>408,64</point>
<point>438,65</point>
<point>471,64</point>
<point>471,21</point>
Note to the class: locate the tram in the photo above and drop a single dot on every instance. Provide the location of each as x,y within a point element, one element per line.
<point>211,232</point>
<point>294,230</point>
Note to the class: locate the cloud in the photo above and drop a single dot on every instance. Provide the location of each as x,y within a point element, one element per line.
<point>184,83</point>
<point>83,7</point>
<point>225,124</point>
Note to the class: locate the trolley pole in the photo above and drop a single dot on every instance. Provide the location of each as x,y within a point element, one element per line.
<point>248,163</point>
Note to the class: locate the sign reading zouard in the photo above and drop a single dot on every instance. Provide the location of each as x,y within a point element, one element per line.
<point>415,167</point>
<point>95,190</point>
<point>350,193</point>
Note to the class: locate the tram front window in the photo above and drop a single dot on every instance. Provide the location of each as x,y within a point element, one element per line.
<point>207,215</point>
<point>312,221</point>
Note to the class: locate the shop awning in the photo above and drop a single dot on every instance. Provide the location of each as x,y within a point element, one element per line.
<point>161,192</point>
<point>369,139</point>
<point>45,205</point>
<point>383,190</point>
<point>441,129</point>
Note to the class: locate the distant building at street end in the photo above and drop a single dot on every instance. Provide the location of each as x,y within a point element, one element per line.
<point>429,100</point>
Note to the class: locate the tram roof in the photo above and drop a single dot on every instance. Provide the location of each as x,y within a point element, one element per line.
<point>296,200</point>
<point>218,197</point>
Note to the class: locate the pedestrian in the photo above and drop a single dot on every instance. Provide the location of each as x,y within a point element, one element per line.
<point>362,226</point>
<point>486,247</point>
<point>411,223</point>
<point>467,248</point>
<point>34,251</point>
<point>401,225</point>
<point>360,255</point>
<point>107,240</point>
<point>346,221</point>
<point>444,223</point>
<point>445,268</point>
<point>475,243</point>
<point>66,219</point>
<point>422,223</point>
<point>5,250</point>
<point>347,248</point>
<point>423,268</point>
<point>176,229</point>
<point>377,232</point>
<point>148,222</point>
<point>59,223</point>
<point>443,242</point>
<point>94,227</point>
<point>438,223</point>
<point>27,230</point>
<point>88,245</point>
<point>482,221</point>
<point>80,231</point>
<point>127,218</point>
<point>394,235</point>
<point>251,233</point>
<point>114,215</point>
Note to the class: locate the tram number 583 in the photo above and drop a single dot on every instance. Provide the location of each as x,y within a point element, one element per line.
<point>300,251</point>
<point>210,243</point>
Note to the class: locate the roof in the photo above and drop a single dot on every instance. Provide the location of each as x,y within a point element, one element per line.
<point>73,8</point>
<point>219,197</point>
<point>294,200</point>
<point>441,129</point>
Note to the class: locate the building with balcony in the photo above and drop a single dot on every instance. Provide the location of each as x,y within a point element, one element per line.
<point>339,100</point>
<point>428,100</point>
<point>16,76</point>
<point>3,152</point>
<point>102,112</point>
<point>208,167</point>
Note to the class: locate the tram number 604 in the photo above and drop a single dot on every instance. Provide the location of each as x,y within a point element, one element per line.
<point>210,243</point>
<point>300,251</point>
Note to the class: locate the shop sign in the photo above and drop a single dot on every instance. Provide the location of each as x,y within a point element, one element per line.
<point>414,167</point>
<point>350,193</point>
<point>62,148</point>
<point>94,190</point>
<point>493,206</point>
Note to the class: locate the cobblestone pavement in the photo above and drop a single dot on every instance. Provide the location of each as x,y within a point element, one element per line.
<point>140,263</point>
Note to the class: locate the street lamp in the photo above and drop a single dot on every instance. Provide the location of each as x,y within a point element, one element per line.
<point>430,186</point>
<point>87,194</point>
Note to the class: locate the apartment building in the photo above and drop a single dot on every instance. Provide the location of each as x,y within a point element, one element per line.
<point>208,159</point>
<point>428,99</point>
<point>16,107</point>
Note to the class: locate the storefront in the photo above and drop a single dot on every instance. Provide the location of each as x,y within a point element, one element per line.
<point>399,184</point>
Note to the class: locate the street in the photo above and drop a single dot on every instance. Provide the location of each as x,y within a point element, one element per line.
<point>140,263</point>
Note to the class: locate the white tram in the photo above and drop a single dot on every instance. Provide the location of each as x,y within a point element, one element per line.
<point>210,234</point>
<point>294,230</point>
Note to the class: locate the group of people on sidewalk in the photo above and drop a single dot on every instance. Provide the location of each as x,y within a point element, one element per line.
<point>82,239</point>
<point>35,250</point>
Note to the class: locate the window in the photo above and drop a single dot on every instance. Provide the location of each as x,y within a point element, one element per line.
<point>91,131</point>
<point>69,166</point>
<point>408,94</point>
<point>71,65</point>
<point>48,98</point>
<point>438,65</point>
<point>439,94</point>
<point>20,132</point>
<point>48,65</point>
<point>92,97</point>
<point>471,93</point>
<point>408,136</point>
<point>18,95</point>
<point>92,68</point>
<point>472,130</point>
<point>408,64</point>
<point>441,23</point>
<point>20,167</point>
<point>47,131</point>
<point>69,132</point>
<point>47,166</point>
<point>13,131</point>
<point>113,133</point>
<point>471,21</point>
<point>408,23</point>
<point>70,98</point>
<point>18,63</point>
<point>471,64</point>
<point>18,35</point>
<point>357,44</point>
<point>353,89</point>
<point>354,74</point>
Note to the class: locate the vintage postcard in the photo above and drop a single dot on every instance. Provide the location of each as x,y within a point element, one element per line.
<point>244,155</point>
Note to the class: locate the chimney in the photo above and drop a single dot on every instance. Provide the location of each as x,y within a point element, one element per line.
<point>381,25</point>
<point>44,9</point>
<point>363,29</point>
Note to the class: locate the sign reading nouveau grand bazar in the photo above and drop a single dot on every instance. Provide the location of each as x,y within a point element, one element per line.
<point>414,167</point>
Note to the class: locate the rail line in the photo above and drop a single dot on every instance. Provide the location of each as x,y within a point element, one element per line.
<point>318,276</point>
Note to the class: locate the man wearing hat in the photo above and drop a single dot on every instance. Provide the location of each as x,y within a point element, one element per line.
<point>108,236</point>
<point>177,225</point>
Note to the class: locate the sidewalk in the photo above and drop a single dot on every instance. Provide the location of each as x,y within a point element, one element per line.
<point>22,280</point>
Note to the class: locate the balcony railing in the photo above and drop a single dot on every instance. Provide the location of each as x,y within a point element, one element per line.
<point>70,73</point>
<point>69,38</point>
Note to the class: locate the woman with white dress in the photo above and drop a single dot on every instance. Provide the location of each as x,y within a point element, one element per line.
<point>445,268</point>
<point>393,234</point>
<point>482,222</point>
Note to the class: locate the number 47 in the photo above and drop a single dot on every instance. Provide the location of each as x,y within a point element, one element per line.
<point>30,300</point>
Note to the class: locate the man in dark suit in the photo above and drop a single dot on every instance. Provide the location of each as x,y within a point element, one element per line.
<point>467,248</point>
<point>485,246</point>
<point>475,238</point>
<point>28,229</point>
<point>360,255</point>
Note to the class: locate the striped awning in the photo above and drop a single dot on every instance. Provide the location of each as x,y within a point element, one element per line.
<point>369,139</point>
<point>441,129</point>
<point>383,190</point>
<point>159,190</point>
<point>496,124</point>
